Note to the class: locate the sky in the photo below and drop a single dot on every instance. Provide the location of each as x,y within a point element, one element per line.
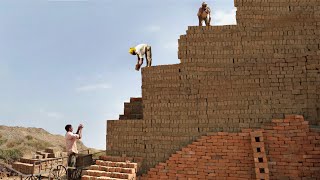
<point>67,61</point>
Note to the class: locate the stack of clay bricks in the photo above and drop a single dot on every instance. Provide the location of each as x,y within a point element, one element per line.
<point>285,149</point>
<point>54,153</point>
<point>230,77</point>
<point>133,109</point>
<point>32,166</point>
<point>219,155</point>
<point>112,168</point>
<point>253,12</point>
<point>43,155</point>
<point>293,148</point>
<point>26,168</point>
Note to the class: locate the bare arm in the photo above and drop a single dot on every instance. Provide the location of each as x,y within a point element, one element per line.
<point>138,59</point>
<point>199,12</point>
<point>79,131</point>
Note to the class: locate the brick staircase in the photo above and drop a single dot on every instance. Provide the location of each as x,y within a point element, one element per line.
<point>111,167</point>
<point>132,110</point>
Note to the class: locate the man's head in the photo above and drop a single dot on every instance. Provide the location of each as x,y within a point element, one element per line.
<point>204,5</point>
<point>68,128</point>
<point>132,51</point>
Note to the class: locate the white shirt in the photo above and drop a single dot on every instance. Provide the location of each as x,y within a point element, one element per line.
<point>71,142</point>
<point>141,50</point>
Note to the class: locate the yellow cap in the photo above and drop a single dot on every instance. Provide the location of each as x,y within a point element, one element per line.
<point>132,50</point>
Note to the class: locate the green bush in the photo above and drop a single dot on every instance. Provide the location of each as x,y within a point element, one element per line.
<point>28,137</point>
<point>10,154</point>
<point>2,141</point>
<point>14,143</point>
<point>38,144</point>
<point>10,144</point>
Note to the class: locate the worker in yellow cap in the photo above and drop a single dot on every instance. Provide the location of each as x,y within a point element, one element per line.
<point>204,14</point>
<point>141,50</point>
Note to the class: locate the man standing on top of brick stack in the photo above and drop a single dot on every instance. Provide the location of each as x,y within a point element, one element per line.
<point>141,50</point>
<point>204,14</point>
<point>71,144</point>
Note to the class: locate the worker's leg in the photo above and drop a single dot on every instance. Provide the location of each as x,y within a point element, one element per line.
<point>149,56</point>
<point>208,21</point>
<point>200,21</point>
<point>72,159</point>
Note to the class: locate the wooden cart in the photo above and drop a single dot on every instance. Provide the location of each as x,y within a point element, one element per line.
<point>55,168</point>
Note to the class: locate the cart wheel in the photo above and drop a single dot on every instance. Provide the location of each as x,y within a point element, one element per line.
<point>58,173</point>
<point>31,178</point>
<point>76,174</point>
<point>3,175</point>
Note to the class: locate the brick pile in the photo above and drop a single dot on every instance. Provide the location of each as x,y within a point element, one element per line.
<point>111,168</point>
<point>230,78</point>
<point>293,149</point>
<point>26,168</point>
<point>132,110</point>
<point>281,151</point>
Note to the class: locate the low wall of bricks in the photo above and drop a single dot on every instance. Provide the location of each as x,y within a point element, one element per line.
<point>229,78</point>
<point>286,149</point>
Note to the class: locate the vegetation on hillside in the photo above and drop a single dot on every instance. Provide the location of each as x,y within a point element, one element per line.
<point>17,142</point>
<point>10,155</point>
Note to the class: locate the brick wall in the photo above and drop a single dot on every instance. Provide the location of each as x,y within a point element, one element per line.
<point>229,78</point>
<point>252,12</point>
<point>287,149</point>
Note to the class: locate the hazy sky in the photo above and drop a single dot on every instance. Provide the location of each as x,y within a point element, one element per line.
<point>67,61</point>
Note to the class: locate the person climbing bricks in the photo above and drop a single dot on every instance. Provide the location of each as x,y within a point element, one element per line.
<point>141,50</point>
<point>204,14</point>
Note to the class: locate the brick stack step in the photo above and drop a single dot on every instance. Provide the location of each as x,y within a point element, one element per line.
<point>132,110</point>
<point>110,167</point>
<point>25,168</point>
<point>43,154</point>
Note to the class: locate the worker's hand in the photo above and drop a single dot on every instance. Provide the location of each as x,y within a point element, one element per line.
<point>80,126</point>
<point>137,67</point>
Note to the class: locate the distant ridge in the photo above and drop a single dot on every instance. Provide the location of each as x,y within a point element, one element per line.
<point>20,141</point>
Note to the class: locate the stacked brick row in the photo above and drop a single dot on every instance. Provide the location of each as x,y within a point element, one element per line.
<point>26,168</point>
<point>293,149</point>
<point>111,168</point>
<point>230,78</point>
<point>252,12</point>
<point>216,156</point>
<point>286,152</point>
<point>133,109</point>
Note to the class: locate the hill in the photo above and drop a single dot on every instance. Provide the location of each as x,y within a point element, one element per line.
<point>16,142</point>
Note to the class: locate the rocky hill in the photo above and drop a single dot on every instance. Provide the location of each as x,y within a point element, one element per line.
<point>16,142</point>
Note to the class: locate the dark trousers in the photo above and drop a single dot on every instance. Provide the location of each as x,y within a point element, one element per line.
<point>72,160</point>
